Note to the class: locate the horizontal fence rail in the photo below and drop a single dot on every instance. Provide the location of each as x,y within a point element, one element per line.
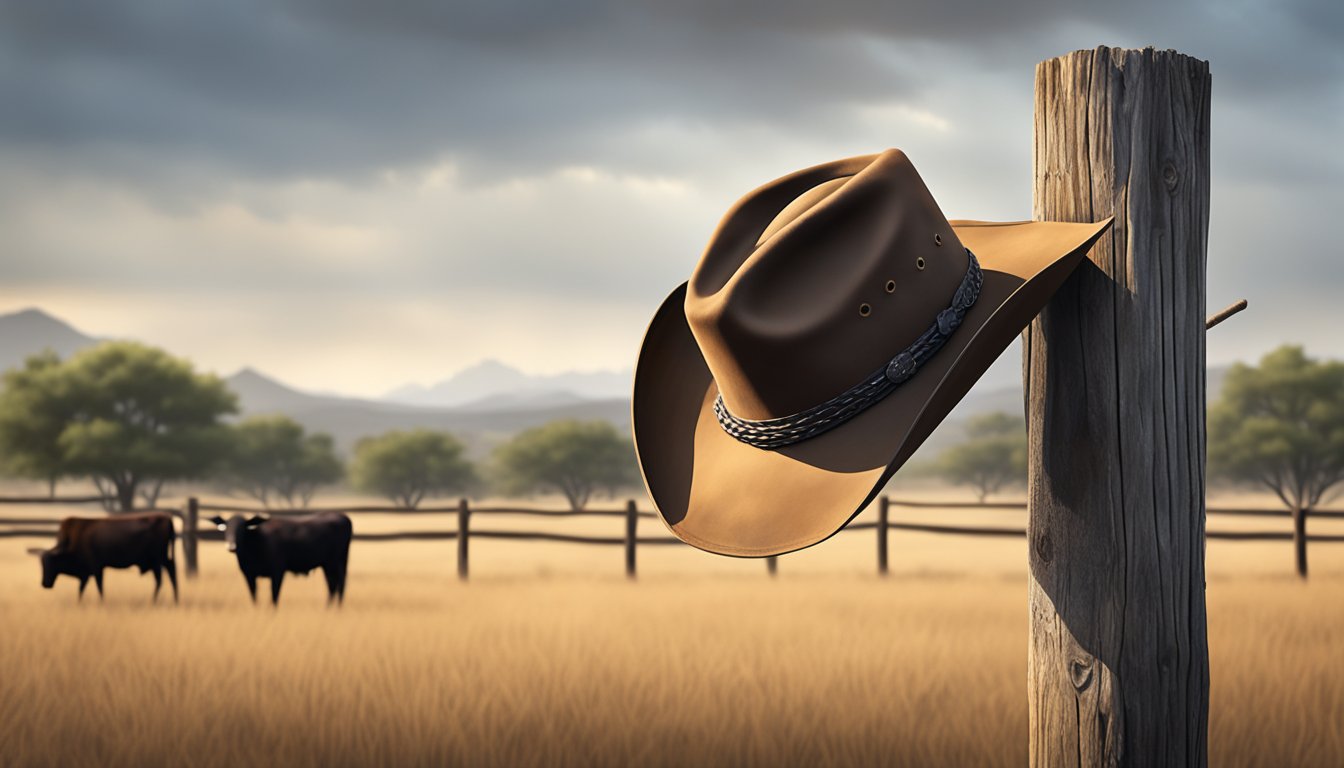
<point>1021,506</point>
<point>207,534</point>
<point>437,510</point>
<point>53,499</point>
<point>1324,513</point>
<point>462,512</point>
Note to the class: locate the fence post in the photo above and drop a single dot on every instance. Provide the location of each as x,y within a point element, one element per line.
<point>631,532</point>
<point>772,565</point>
<point>1114,368</point>
<point>463,539</point>
<point>1300,540</point>
<point>883,517</point>
<point>189,524</point>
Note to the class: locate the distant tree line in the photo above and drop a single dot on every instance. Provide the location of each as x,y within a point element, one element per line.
<point>131,418</point>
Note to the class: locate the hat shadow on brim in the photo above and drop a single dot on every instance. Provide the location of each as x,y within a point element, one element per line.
<point>730,498</point>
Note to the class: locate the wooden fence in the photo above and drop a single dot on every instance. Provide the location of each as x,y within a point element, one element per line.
<point>629,540</point>
<point>463,512</point>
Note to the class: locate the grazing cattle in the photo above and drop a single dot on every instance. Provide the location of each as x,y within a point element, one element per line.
<point>85,546</point>
<point>272,547</point>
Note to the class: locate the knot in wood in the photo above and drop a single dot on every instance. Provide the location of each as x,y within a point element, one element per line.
<point>1080,674</point>
<point>1045,549</point>
<point>1170,176</point>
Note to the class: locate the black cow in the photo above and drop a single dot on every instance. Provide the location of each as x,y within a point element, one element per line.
<point>270,547</point>
<point>85,546</point>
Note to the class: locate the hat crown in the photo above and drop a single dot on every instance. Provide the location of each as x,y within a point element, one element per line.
<point>816,280</point>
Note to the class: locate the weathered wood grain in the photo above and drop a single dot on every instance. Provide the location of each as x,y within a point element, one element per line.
<point>1114,373</point>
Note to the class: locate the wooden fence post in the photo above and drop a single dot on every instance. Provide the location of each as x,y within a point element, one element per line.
<point>463,539</point>
<point>1300,540</point>
<point>883,518</point>
<point>772,565</point>
<point>631,533</point>
<point>190,521</point>
<point>1114,376</point>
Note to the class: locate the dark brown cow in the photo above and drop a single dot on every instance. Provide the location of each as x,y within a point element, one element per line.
<point>85,546</point>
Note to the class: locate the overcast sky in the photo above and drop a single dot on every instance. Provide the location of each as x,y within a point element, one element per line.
<point>354,195</point>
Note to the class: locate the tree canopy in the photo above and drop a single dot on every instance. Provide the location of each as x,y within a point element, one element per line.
<point>126,415</point>
<point>271,457</point>
<point>993,456</point>
<point>406,467</point>
<point>1280,425</point>
<point>572,457</point>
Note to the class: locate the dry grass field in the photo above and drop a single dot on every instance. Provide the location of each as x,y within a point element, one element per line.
<point>549,657</point>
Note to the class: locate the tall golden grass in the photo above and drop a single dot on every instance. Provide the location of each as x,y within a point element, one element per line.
<point>703,661</point>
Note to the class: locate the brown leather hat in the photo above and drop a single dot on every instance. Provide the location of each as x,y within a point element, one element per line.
<point>834,320</point>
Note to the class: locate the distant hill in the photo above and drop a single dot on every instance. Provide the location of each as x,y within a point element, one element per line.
<point>259,393</point>
<point>490,378</point>
<point>524,401</point>
<point>482,425</point>
<point>28,332</point>
<point>481,431</point>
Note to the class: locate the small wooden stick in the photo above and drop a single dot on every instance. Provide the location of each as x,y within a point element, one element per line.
<point>1219,317</point>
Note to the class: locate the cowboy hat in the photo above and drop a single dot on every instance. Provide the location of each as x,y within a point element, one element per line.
<point>834,320</point>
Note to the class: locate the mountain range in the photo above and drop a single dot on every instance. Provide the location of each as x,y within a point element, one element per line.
<point>347,419</point>
<point>463,404</point>
<point>491,383</point>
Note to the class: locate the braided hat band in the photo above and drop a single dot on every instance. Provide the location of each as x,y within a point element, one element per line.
<point>787,430</point>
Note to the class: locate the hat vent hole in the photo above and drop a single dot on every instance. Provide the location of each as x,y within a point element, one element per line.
<point>919,263</point>
<point>891,286</point>
<point>937,239</point>
<point>865,310</point>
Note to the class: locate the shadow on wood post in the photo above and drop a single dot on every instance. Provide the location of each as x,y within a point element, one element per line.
<point>772,565</point>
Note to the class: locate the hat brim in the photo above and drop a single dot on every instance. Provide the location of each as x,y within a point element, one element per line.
<point>729,498</point>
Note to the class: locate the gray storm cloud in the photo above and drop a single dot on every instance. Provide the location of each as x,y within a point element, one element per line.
<point>343,89</point>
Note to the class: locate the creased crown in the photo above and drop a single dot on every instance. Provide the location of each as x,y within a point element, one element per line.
<point>817,279</point>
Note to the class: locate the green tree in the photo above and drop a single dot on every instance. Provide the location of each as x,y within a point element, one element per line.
<point>271,457</point>
<point>408,466</point>
<point>1280,425</point>
<point>131,417</point>
<point>993,456</point>
<point>31,421</point>
<point>573,457</point>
